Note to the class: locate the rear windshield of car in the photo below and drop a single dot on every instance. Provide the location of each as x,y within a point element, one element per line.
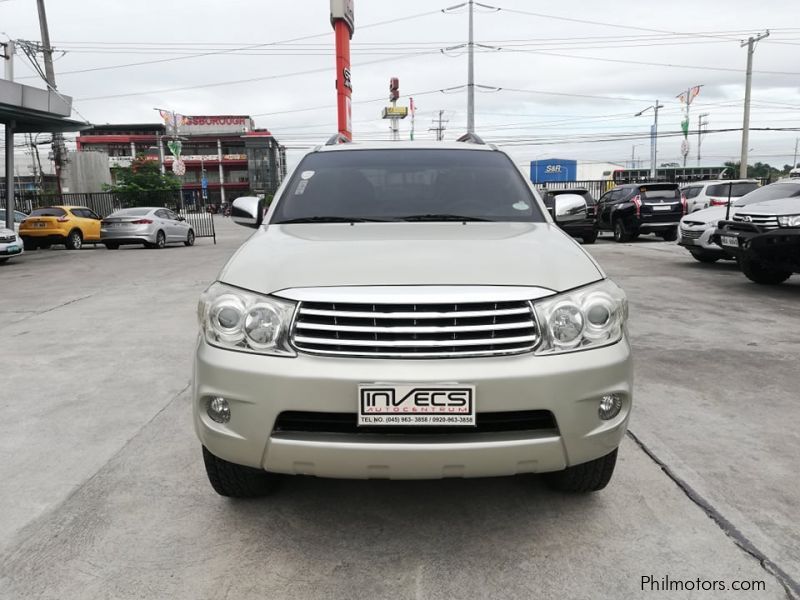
<point>659,193</point>
<point>770,192</point>
<point>48,212</point>
<point>737,190</point>
<point>392,185</point>
<point>131,212</point>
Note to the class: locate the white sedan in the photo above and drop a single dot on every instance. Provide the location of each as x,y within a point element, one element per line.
<point>10,244</point>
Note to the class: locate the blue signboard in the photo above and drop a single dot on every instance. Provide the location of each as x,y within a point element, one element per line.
<point>204,183</point>
<point>553,169</point>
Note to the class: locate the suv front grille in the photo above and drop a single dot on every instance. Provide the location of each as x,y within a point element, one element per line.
<point>415,330</point>
<point>7,239</point>
<point>485,422</point>
<point>691,234</point>
<point>764,221</point>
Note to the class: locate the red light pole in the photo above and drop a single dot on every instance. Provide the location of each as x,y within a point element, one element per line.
<point>342,19</point>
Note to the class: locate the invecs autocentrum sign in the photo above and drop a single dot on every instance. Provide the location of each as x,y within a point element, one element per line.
<point>209,124</point>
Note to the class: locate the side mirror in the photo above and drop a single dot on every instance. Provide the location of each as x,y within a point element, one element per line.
<point>248,211</point>
<point>569,207</point>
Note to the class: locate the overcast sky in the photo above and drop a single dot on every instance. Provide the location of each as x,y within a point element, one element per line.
<point>570,49</point>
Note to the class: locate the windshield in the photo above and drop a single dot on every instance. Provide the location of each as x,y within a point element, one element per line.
<point>407,184</point>
<point>48,212</point>
<point>736,189</point>
<point>770,192</point>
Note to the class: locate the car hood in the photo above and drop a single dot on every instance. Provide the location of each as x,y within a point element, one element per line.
<point>709,215</point>
<point>6,232</point>
<point>782,206</point>
<point>278,257</point>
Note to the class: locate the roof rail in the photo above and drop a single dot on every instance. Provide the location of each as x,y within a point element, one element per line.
<point>339,138</point>
<point>471,138</point>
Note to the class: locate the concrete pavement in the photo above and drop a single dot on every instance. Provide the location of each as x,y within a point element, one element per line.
<point>104,493</point>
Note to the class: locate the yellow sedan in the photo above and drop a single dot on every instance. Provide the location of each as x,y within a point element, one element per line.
<point>69,225</point>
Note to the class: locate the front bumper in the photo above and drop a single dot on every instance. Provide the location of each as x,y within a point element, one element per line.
<point>688,238</point>
<point>780,248</point>
<point>259,388</point>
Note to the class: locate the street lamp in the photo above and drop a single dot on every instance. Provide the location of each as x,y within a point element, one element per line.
<point>653,136</point>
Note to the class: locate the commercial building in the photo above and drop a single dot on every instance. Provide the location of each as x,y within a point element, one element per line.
<point>225,156</point>
<point>548,170</point>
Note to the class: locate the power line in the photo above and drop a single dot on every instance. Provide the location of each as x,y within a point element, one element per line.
<point>234,82</point>
<point>249,47</point>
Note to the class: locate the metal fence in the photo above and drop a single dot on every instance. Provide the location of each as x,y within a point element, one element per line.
<point>198,214</point>
<point>596,187</point>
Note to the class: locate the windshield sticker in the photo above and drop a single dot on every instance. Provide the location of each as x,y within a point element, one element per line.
<point>307,174</point>
<point>521,205</point>
<point>301,187</point>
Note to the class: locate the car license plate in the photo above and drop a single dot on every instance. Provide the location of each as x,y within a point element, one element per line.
<point>40,224</point>
<point>416,404</point>
<point>665,208</point>
<point>13,249</point>
<point>729,240</point>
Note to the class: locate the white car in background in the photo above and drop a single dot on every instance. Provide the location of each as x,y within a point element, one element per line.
<point>19,217</point>
<point>705,194</point>
<point>10,244</point>
<point>696,229</point>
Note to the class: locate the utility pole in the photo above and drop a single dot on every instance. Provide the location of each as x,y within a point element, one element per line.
<point>47,50</point>
<point>700,125</point>
<point>750,43</point>
<point>471,73</point>
<point>440,128</point>
<point>653,137</point>
<point>794,161</point>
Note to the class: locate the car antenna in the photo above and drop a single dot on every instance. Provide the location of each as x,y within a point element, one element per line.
<point>728,207</point>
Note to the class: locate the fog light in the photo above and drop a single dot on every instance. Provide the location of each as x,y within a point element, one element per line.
<point>219,410</point>
<point>610,406</point>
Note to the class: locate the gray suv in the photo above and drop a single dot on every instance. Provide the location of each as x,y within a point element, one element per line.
<point>409,311</point>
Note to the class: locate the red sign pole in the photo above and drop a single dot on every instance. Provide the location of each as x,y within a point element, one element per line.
<point>342,19</point>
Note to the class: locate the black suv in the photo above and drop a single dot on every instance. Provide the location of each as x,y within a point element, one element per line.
<point>583,228</point>
<point>635,208</point>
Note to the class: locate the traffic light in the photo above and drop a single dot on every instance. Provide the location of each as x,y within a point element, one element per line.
<point>394,89</point>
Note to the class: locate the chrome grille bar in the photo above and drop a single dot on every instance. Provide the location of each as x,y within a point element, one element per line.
<point>435,330</point>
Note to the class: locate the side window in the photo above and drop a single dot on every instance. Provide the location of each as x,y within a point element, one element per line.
<point>691,192</point>
<point>90,214</point>
<point>78,212</point>
<point>172,215</point>
<point>162,214</point>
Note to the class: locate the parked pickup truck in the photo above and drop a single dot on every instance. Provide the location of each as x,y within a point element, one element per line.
<point>409,311</point>
<point>765,238</point>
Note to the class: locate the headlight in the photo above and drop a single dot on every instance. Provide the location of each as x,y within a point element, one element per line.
<point>235,319</point>
<point>589,317</point>
<point>789,221</point>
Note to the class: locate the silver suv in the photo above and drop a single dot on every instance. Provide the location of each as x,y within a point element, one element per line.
<point>409,311</point>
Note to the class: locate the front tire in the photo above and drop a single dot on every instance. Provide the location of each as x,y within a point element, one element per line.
<point>590,238</point>
<point>74,240</point>
<point>670,235</point>
<point>29,244</point>
<point>621,234</point>
<point>757,272</point>
<point>592,476</point>
<point>704,258</point>
<point>237,481</point>
<point>189,239</point>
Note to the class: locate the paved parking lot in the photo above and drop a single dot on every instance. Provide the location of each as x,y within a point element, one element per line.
<point>104,493</point>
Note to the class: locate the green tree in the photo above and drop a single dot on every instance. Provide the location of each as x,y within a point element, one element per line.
<point>759,170</point>
<point>144,182</point>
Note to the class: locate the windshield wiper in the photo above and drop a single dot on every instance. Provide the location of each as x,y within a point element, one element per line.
<point>329,220</point>
<point>441,217</point>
